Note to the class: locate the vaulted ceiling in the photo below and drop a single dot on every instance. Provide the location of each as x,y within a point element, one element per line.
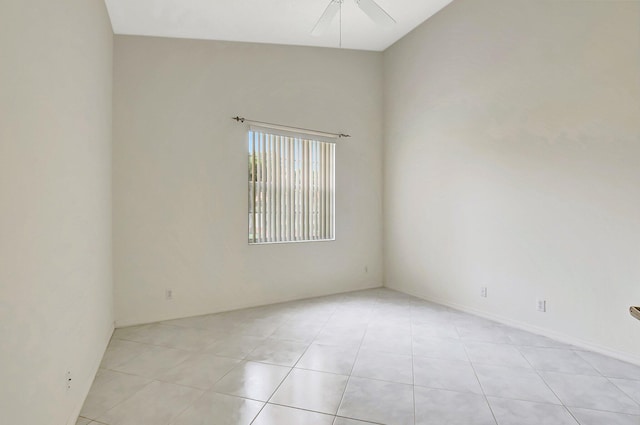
<point>268,21</point>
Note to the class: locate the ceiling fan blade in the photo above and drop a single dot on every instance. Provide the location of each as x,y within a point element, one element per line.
<point>376,13</point>
<point>326,18</point>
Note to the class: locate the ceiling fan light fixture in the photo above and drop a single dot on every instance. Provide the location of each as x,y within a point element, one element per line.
<point>369,7</point>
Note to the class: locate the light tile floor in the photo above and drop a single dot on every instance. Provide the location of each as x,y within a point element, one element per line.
<point>375,356</point>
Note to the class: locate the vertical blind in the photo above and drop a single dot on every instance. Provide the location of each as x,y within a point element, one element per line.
<point>291,188</point>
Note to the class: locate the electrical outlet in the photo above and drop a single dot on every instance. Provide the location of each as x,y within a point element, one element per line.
<point>541,306</point>
<point>483,292</point>
<point>169,294</point>
<point>68,380</point>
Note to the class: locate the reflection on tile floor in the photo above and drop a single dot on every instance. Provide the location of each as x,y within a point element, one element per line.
<point>375,356</point>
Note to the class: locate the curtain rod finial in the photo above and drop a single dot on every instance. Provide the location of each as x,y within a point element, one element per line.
<point>239,119</point>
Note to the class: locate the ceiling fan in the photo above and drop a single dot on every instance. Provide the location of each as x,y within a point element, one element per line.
<point>369,7</point>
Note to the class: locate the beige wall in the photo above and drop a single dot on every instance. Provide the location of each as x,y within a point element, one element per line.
<point>180,179</point>
<point>55,205</point>
<point>512,161</point>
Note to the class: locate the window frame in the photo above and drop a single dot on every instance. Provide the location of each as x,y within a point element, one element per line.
<point>299,140</point>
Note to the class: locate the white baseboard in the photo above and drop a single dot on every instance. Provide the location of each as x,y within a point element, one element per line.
<point>557,336</point>
<point>126,323</point>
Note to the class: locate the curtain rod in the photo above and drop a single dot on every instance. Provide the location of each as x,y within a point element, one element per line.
<point>288,128</point>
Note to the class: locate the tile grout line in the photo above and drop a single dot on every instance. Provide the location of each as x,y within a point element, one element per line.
<point>321,413</point>
<point>289,373</point>
<point>548,386</point>
<point>191,353</point>
<point>202,351</point>
<point>608,378</point>
<point>379,303</point>
<point>484,394</point>
<point>187,407</point>
<point>121,402</point>
<point>355,359</point>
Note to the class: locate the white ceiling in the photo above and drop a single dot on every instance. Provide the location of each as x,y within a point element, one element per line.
<point>267,21</point>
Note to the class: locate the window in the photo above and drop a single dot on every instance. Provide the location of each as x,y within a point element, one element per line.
<point>291,187</point>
